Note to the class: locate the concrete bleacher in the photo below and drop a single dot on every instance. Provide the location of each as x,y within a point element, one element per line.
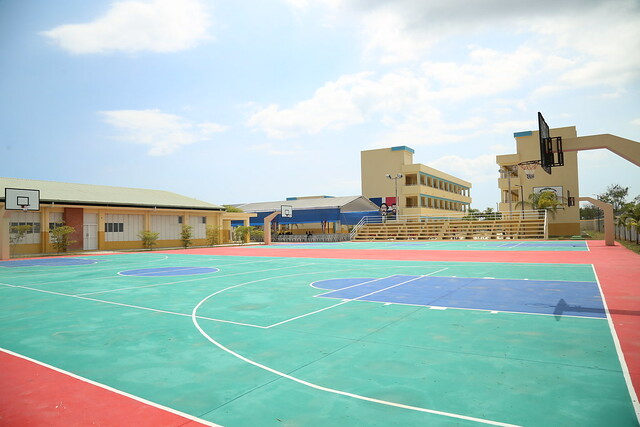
<point>529,225</point>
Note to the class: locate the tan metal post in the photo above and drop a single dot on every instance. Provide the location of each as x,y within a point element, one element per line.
<point>267,227</point>
<point>609,237</point>
<point>5,248</point>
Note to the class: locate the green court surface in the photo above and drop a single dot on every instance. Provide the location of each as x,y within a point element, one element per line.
<point>252,342</point>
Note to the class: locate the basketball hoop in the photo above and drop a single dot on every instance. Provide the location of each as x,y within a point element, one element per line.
<point>25,208</point>
<point>529,168</point>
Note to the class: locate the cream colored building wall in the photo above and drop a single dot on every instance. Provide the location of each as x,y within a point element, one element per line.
<point>567,219</point>
<point>422,190</point>
<point>376,164</point>
<point>49,213</point>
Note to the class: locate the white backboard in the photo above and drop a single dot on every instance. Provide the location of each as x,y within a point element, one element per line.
<point>286,211</point>
<point>21,199</point>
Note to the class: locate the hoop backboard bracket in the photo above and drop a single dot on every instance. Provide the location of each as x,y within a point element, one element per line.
<point>286,211</point>
<point>21,199</point>
<point>551,154</point>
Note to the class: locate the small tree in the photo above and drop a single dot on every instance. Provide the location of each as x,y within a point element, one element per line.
<point>148,239</point>
<point>589,211</point>
<point>257,235</point>
<point>631,217</point>
<point>242,232</point>
<point>616,195</point>
<point>230,208</point>
<point>214,235</point>
<point>17,233</point>
<point>185,235</point>
<point>544,200</point>
<point>60,237</point>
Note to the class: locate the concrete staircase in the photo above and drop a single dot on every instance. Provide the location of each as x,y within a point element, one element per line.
<point>522,227</point>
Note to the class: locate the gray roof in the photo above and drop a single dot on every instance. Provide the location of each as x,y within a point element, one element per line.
<point>345,204</point>
<point>101,195</point>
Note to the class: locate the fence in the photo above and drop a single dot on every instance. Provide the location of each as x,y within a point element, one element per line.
<point>630,234</point>
<point>299,238</point>
<point>621,232</point>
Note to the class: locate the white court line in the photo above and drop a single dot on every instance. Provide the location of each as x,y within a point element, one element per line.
<point>111,276</point>
<point>164,257</point>
<point>329,291</point>
<point>114,390</point>
<point>156,310</point>
<point>194,318</point>
<point>616,341</point>
<point>354,299</point>
<point>170,270</point>
<point>194,280</point>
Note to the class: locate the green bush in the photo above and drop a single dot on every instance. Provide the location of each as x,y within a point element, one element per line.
<point>214,235</point>
<point>60,237</point>
<point>185,235</point>
<point>242,232</point>
<point>17,233</point>
<point>148,239</point>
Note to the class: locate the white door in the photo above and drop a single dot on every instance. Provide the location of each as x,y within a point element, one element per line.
<point>90,232</point>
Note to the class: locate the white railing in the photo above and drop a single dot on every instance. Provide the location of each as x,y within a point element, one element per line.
<point>358,226</point>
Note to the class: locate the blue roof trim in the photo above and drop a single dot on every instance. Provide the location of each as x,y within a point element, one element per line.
<point>403,148</point>
<point>525,133</point>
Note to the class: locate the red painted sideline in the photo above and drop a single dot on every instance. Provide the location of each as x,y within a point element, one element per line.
<point>35,395</point>
<point>618,271</point>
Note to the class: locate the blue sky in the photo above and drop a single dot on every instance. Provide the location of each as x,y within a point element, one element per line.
<point>250,101</point>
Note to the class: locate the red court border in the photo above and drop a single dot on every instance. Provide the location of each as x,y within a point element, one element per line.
<point>32,394</point>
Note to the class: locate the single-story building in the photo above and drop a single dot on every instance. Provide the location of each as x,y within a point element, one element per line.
<point>317,214</point>
<point>107,218</point>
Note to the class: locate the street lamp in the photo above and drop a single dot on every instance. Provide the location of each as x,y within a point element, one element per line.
<point>396,178</point>
<point>521,197</point>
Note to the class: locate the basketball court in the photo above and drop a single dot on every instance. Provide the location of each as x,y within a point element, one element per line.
<point>339,334</point>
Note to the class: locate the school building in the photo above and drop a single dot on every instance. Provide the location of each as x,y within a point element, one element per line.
<point>110,218</point>
<point>390,177</point>
<point>515,187</point>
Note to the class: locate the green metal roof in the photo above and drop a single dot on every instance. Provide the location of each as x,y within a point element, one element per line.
<point>102,195</point>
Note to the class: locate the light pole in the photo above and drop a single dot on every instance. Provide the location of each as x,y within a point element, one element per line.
<point>395,179</point>
<point>521,197</point>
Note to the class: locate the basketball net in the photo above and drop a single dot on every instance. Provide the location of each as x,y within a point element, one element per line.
<point>529,168</point>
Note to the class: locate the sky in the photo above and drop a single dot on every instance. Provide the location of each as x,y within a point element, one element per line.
<point>259,100</point>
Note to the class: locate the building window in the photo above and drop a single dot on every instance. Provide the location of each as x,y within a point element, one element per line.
<point>204,219</point>
<point>180,220</point>
<point>35,226</point>
<point>114,227</point>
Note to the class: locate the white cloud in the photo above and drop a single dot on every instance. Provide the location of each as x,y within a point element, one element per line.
<point>332,107</point>
<point>476,170</point>
<point>164,133</point>
<point>386,37</point>
<point>408,102</point>
<point>133,26</point>
<point>271,150</point>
